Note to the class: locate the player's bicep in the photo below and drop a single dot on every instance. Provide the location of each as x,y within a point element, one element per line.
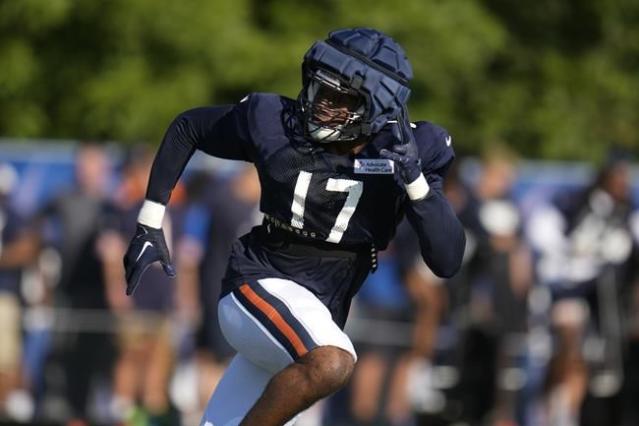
<point>221,131</point>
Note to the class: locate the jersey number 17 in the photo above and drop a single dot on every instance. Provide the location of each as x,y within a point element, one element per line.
<point>354,189</point>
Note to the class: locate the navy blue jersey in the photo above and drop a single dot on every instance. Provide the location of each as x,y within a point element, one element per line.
<point>346,201</point>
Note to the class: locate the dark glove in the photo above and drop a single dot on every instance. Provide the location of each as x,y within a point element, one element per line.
<point>147,246</point>
<point>404,153</point>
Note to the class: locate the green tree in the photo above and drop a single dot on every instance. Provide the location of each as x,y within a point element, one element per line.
<point>552,79</point>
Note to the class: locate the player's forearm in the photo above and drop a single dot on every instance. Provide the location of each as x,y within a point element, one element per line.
<point>441,235</point>
<point>176,149</point>
<point>209,129</point>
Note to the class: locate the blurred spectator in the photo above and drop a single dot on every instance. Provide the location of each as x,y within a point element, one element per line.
<point>146,350</point>
<point>73,224</point>
<point>488,297</point>
<point>502,278</point>
<point>502,273</point>
<point>378,382</point>
<point>396,315</point>
<point>585,245</point>
<point>631,371</point>
<point>17,250</point>
<point>192,219</point>
<point>428,298</point>
<point>230,208</point>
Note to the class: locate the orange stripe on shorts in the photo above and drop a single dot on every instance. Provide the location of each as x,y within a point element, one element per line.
<point>276,317</point>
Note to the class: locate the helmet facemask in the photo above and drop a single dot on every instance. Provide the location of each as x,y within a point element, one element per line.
<point>332,111</point>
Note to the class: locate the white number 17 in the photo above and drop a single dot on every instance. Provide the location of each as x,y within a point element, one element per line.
<point>354,189</point>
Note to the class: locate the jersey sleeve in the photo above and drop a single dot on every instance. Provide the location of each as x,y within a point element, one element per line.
<point>220,131</point>
<point>225,133</point>
<point>436,152</point>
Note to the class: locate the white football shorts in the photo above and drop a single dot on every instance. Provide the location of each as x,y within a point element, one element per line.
<point>271,323</point>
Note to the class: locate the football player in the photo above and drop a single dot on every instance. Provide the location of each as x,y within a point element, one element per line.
<point>339,168</point>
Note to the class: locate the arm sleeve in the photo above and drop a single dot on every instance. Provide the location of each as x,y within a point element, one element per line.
<point>219,131</point>
<point>441,234</point>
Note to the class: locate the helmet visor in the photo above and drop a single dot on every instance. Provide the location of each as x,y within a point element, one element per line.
<point>332,104</point>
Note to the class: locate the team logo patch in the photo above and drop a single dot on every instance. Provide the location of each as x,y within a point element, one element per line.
<point>374,166</point>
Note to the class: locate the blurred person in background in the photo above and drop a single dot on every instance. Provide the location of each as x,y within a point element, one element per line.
<point>230,210</point>
<point>191,318</point>
<point>429,300</point>
<point>630,388</point>
<point>75,224</point>
<point>17,250</point>
<point>392,376</point>
<point>146,346</point>
<point>488,299</point>
<point>502,277</point>
<point>585,241</point>
<point>436,397</point>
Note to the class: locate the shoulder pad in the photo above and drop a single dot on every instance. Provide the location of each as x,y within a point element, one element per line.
<point>264,119</point>
<point>263,112</point>
<point>261,100</point>
<point>260,97</point>
<point>435,147</point>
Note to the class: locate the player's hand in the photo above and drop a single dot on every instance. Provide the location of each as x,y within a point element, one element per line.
<point>147,246</point>
<point>405,155</point>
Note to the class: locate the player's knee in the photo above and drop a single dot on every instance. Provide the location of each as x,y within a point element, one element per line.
<point>330,367</point>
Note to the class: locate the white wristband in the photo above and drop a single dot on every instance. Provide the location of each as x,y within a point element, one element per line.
<point>151,214</point>
<point>418,189</point>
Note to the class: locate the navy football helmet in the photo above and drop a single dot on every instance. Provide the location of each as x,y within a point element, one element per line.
<point>354,82</point>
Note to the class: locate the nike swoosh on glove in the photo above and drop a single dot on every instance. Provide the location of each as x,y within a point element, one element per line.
<point>147,246</point>
<point>405,155</point>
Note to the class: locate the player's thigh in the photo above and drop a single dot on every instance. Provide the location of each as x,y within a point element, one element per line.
<point>273,322</point>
